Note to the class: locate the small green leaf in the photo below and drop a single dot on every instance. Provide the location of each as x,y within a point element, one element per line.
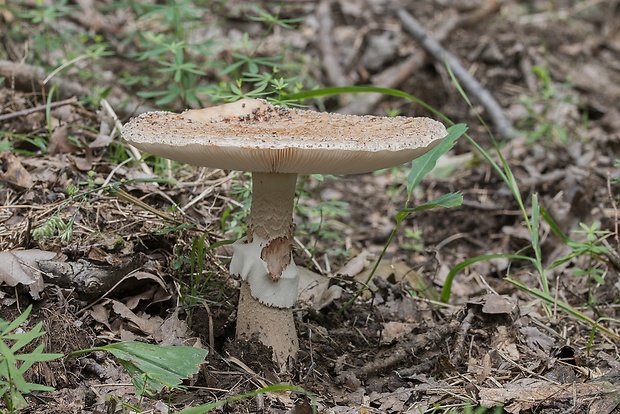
<point>155,366</point>
<point>445,200</point>
<point>424,164</point>
<point>17,321</point>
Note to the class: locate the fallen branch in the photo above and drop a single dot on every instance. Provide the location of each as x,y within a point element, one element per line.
<point>400,353</point>
<point>395,75</point>
<point>52,105</point>
<point>390,78</point>
<point>331,64</point>
<point>470,84</point>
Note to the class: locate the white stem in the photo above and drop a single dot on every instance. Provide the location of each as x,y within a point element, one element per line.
<point>264,261</point>
<point>273,195</point>
<point>273,327</point>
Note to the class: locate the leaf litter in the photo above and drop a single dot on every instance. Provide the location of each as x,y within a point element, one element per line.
<point>120,275</point>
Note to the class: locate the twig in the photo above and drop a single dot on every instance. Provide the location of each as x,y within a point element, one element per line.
<point>558,15</point>
<point>402,352</point>
<point>210,316</point>
<point>38,108</point>
<point>390,78</point>
<point>471,85</point>
<point>395,75</point>
<point>118,126</point>
<point>208,191</point>
<point>459,346</point>
<point>332,66</point>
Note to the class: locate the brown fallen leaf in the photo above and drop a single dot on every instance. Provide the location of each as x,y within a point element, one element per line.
<point>100,313</point>
<point>392,402</point>
<point>173,331</point>
<point>13,172</point>
<point>356,265</point>
<point>496,304</point>
<point>146,324</point>
<point>534,338</point>
<point>59,142</point>
<point>393,331</point>
<point>22,267</point>
<point>101,141</point>
<point>394,272</point>
<point>526,393</point>
<point>314,290</point>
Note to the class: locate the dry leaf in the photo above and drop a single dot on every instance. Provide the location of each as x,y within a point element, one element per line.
<point>21,267</point>
<point>13,172</point>
<point>59,142</point>
<point>101,314</point>
<point>356,265</point>
<point>102,141</point>
<point>534,338</point>
<point>172,332</point>
<point>526,393</point>
<point>314,290</point>
<point>146,324</point>
<point>394,273</point>
<point>495,304</point>
<point>393,331</point>
<point>86,163</point>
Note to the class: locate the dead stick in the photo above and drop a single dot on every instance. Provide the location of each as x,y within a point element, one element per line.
<point>38,108</point>
<point>390,78</point>
<point>331,65</point>
<point>459,344</point>
<point>471,85</point>
<point>397,74</point>
<point>402,352</point>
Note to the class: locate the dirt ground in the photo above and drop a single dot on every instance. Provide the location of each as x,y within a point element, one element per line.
<point>125,271</point>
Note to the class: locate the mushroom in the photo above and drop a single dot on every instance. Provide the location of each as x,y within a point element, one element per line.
<point>276,144</point>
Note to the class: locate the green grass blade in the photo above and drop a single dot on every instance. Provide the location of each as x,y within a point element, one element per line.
<point>447,287</point>
<point>550,300</point>
<point>555,228</point>
<point>24,338</point>
<point>9,368</point>
<point>17,321</point>
<point>272,388</point>
<point>445,200</point>
<point>338,90</point>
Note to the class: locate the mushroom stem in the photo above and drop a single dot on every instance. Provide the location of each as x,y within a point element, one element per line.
<point>275,327</point>
<point>271,214</point>
<point>264,261</point>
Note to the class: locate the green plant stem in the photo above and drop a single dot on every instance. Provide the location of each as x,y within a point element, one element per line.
<point>364,285</point>
<point>271,388</point>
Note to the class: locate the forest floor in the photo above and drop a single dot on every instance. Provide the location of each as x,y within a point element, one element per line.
<point>106,250</point>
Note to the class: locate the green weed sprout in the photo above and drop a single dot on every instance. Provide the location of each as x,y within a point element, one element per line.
<point>532,222</point>
<point>13,365</point>
<point>532,219</point>
<point>593,249</point>
<point>419,169</point>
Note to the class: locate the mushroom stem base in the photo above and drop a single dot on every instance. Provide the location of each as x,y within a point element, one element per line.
<point>275,327</point>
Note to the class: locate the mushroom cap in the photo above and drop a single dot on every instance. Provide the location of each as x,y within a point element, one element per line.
<point>253,135</point>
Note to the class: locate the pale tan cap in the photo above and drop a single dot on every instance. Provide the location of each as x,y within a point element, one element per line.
<point>253,135</point>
